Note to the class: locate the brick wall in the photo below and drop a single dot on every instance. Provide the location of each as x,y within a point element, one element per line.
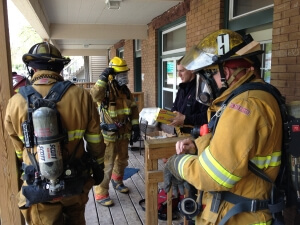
<point>129,57</point>
<point>206,16</point>
<point>203,18</point>
<point>150,52</point>
<point>285,70</point>
<point>149,68</point>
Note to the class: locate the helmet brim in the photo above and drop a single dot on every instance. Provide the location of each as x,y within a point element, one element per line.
<point>39,57</point>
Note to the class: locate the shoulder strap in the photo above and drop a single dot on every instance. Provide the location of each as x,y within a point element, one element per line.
<point>58,90</point>
<point>29,93</point>
<point>55,94</point>
<point>276,205</point>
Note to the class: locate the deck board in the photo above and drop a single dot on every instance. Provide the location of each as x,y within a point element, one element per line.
<point>126,209</point>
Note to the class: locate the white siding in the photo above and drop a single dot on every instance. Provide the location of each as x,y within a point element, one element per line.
<point>97,65</point>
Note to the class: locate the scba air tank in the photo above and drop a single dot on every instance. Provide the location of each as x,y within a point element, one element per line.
<point>48,146</point>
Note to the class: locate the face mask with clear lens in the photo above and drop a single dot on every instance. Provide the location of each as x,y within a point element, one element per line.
<point>205,88</point>
<point>122,78</point>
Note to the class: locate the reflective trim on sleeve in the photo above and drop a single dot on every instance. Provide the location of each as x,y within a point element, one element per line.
<point>75,134</point>
<point>181,164</point>
<point>127,111</point>
<point>264,162</point>
<point>216,171</point>
<point>134,122</point>
<point>21,138</point>
<point>101,83</point>
<point>19,154</point>
<point>115,113</point>
<point>93,138</point>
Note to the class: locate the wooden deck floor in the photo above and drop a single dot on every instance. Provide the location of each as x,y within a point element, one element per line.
<point>126,209</point>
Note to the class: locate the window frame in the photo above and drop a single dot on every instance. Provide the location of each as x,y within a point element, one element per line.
<point>177,53</point>
<point>231,7</point>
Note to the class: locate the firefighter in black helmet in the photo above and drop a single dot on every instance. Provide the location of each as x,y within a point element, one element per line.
<point>80,120</point>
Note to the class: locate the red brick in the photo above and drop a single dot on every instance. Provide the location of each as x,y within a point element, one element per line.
<point>293,68</point>
<point>288,45</point>
<point>281,23</point>
<point>290,13</point>
<point>289,29</point>
<point>287,60</point>
<point>295,19</point>
<point>294,36</point>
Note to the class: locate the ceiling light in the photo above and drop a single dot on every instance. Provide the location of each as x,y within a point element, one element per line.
<point>113,4</point>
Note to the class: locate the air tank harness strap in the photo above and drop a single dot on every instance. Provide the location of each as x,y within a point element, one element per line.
<point>241,204</point>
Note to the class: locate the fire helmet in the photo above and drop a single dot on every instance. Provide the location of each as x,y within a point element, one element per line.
<point>222,48</point>
<point>45,56</point>
<point>219,47</point>
<point>119,65</point>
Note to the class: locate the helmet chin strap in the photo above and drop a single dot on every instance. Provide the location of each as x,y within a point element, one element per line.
<point>225,83</point>
<point>223,80</point>
<point>234,74</point>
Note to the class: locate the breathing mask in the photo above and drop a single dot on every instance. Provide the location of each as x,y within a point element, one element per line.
<point>122,78</point>
<point>206,87</point>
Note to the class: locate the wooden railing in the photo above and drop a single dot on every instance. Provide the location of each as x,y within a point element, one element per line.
<point>138,96</point>
<point>86,85</point>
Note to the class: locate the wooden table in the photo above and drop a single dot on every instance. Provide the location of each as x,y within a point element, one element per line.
<point>157,149</point>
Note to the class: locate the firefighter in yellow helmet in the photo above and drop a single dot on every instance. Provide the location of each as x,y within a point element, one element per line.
<point>119,118</point>
<point>62,199</point>
<point>245,131</point>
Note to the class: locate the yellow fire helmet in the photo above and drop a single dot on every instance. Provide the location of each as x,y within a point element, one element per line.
<point>119,65</point>
<point>218,47</point>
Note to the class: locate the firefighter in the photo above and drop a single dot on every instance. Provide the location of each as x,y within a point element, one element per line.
<point>249,129</point>
<point>19,81</point>
<point>119,118</point>
<point>79,117</point>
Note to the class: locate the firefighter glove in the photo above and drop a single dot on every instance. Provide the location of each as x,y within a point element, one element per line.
<point>104,75</point>
<point>172,177</point>
<point>135,133</point>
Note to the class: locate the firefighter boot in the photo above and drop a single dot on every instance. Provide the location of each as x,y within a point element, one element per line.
<point>104,200</point>
<point>119,186</point>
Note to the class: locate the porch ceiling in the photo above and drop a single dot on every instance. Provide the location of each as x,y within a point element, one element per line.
<point>88,27</point>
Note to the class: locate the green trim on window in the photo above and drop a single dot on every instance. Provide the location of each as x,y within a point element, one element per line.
<point>160,57</point>
<point>252,20</point>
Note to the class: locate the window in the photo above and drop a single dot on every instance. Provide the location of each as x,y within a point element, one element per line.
<point>138,47</point>
<point>173,40</point>
<point>170,81</point>
<point>173,48</point>
<point>239,8</point>
<point>263,34</point>
<point>120,52</point>
<point>266,61</point>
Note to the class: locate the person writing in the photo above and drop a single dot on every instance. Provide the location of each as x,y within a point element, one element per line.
<point>246,131</point>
